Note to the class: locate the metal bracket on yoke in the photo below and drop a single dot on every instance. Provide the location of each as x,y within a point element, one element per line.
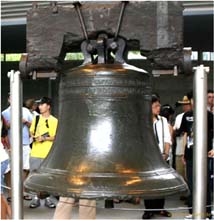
<point>102,50</point>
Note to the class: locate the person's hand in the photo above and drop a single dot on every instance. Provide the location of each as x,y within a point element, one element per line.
<point>211,153</point>
<point>183,159</point>
<point>165,156</point>
<point>25,122</point>
<point>40,139</point>
<point>7,125</point>
<point>5,142</point>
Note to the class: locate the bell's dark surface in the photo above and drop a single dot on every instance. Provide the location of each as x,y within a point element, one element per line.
<point>105,146</point>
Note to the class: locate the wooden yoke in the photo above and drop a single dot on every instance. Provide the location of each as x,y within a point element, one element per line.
<point>154,28</point>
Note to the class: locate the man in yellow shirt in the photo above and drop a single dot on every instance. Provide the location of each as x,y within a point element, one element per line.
<point>43,130</point>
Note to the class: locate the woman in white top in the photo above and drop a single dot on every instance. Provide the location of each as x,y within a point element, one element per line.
<point>162,135</point>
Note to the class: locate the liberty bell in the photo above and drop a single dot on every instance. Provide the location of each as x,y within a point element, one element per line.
<point>105,145</point>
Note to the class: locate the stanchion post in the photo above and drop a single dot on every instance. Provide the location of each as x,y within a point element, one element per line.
<point>16,144</point>
<point>200,142</point>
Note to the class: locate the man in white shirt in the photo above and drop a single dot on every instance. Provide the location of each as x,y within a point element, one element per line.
<point>180,167</point>
<point>26,123</point>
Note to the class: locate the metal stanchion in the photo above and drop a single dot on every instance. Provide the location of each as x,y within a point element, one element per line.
<point>200,145</point>
<point>16,144</point>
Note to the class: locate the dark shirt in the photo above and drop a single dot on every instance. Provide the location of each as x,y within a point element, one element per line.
<point>187,126</point>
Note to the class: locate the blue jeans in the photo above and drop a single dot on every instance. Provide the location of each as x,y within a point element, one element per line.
<point>4,165</point>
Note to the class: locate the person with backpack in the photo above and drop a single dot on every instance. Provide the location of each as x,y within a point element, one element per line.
<point>43,132</point>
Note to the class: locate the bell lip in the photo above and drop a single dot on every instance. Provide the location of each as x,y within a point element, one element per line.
<point>33,184</point>
<point>152,194</point>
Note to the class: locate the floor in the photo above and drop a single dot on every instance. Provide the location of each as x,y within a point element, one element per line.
<point>121,211</point>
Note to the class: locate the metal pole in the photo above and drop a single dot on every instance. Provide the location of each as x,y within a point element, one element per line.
<point>77,7</point>
<point>200,145</point>
<point>124,3</point>
<point>16,144</point>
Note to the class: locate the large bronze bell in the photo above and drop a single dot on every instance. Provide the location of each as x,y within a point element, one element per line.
<point>105,146</point>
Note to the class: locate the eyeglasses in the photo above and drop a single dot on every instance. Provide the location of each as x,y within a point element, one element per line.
<point>46,123</point>
<point>210,97</point>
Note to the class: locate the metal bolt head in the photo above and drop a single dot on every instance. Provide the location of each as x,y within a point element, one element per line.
<point>90,48</point>
<point>113,45</point>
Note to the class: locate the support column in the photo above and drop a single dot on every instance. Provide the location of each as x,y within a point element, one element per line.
<point>200,143</point>
<point>16,144</point>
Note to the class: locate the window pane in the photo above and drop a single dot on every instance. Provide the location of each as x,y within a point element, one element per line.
<point>13,57</point>
<point>74,56</point>
<point>2,57</point>
<point>194,55</point>
<point>135,55</point>
<point>206,56</point>
<point>212,56</point>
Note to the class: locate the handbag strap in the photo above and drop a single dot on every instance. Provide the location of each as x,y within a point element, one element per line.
<point>162,131</point>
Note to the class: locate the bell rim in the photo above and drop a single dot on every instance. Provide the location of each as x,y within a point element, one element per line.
<point>88,193</point>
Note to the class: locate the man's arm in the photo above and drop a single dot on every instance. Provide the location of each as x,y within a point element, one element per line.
<point>28,123</point>
<point>27,117</point>
<point>43,138</point>
<point>183,147</point>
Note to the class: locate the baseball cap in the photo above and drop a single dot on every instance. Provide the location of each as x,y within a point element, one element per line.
<point>43,100</point>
